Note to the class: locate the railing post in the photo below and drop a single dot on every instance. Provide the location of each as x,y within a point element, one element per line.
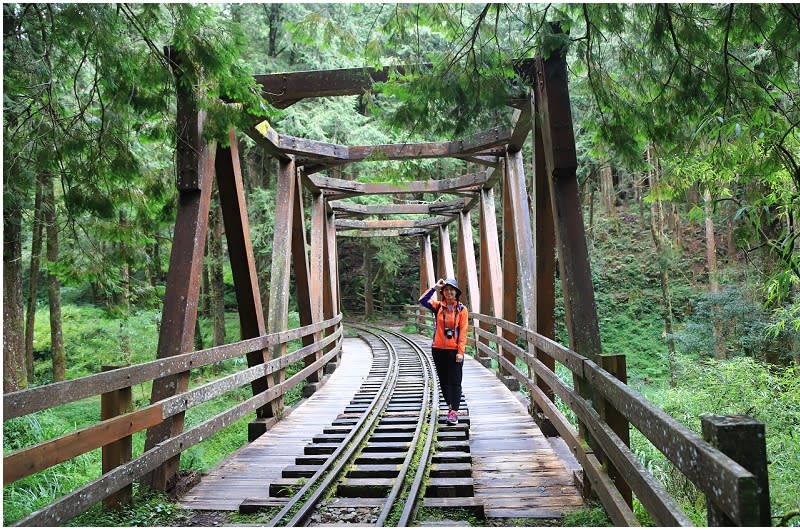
<point>616,366</point>
<point>112,404</point>
<point>743,439</point>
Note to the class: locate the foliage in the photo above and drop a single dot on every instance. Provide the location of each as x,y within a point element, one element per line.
<point>593,516</point>
<point>740,385</point>
<point>739,323</point>
<point>147,508</point>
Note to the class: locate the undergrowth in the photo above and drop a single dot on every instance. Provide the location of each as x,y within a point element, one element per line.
<point>93,338</point>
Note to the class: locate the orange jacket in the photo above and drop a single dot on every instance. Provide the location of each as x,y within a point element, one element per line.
<point>456,319</point>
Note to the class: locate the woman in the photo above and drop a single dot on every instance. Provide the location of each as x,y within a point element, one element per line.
<point>449,340</point>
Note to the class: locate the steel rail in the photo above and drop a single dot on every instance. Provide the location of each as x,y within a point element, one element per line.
<point>340,458</point>
<point>430,412</point>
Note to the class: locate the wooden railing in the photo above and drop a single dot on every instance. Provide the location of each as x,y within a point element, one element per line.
<point>734,495</point>
<point>30,460</point>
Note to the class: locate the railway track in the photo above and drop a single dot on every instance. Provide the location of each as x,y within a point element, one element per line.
<point>372,464</point>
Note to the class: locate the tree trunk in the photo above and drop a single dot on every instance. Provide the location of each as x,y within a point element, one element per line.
<point>53,283</point>
<point>659,240</point>
<point>123,299</point>
<point>711,243</point>
<point>607,194</point>
<point>217,280</point>
<point>274,19</point>
<point>14,376</point>
<point>638,192</point>
<point>33,284</point>
<point>677,227</point>
<point>590,200</point>
<point>731,227</point>
<point>369,302</point>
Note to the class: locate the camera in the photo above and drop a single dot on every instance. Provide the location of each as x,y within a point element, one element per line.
<point>448,332</point>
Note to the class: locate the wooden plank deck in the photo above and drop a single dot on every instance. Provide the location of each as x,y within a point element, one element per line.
<point>248,472</point>
<point>516,472</point>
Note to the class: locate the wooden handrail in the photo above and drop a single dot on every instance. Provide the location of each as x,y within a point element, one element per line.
<point>724,482</point>
<point>24,402</point>
<point>48,453</point>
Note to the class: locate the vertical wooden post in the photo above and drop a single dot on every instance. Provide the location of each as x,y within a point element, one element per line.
<point>278,313</point>
<point>112,404</point>
<point>315,276</point>
<point>743,439</point>
<point>510,274</point>
<point>467,268</point>
<point>445,254</point>
<point>303,284</point>
<point>427,276</point>
<point>195,167</point>
<point>544,250</point>
<point>616,366</point>
<point>330,283</point>
<point>491,271</point>
<point>243,265</point>
<point>558,140</point>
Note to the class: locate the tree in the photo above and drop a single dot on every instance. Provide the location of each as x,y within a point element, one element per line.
<point>33,279</point>
<point>88,94</point>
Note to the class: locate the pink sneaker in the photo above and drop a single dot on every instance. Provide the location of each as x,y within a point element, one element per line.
<point>452,418</point>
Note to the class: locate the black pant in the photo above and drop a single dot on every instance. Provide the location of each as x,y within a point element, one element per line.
<point>450,373</point>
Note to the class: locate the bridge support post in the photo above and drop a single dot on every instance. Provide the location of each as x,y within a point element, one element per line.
<point>330,283</point>
<point>511,280</point>
<point>743,439</point>
<point>195,171</point>
<point>278,312</point>
<point>243,266</point>
<point>558,142</point>
<point>307,275</point>
<point>491,269</point>
<point>544,246</point>
<point>467,268</point>
<point>427,276</point>
<point>445,254</point>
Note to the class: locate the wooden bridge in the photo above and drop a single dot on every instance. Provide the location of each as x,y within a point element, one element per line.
<point>519,345</point>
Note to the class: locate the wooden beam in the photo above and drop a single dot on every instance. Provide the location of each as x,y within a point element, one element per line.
<point>516,202</point>
<point>393,223</point>
<point>293,145</point>
<point>445,253</point>
<point>511,278</point>
<point>179,315</point>
<point>278,311</point>
<point>427,274</point>
<point>278,144</point>
<point>302,274</point>
<point>491,268</point>
<point>488,161</point>
<point>283,89</point>
<point>482,141</point>
<point>426,208</point>
<point>380,188</point>
<point>522,124</point>
<point>266,137</point>
<point>240,250</point>
<point>561,161</point>
<point>383,233</point>
<point>467,268</point>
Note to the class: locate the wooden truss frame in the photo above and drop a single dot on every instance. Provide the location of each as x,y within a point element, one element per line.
<point>526,264</point>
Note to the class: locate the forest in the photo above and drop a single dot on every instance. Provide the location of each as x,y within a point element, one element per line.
<point>687,124</point>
